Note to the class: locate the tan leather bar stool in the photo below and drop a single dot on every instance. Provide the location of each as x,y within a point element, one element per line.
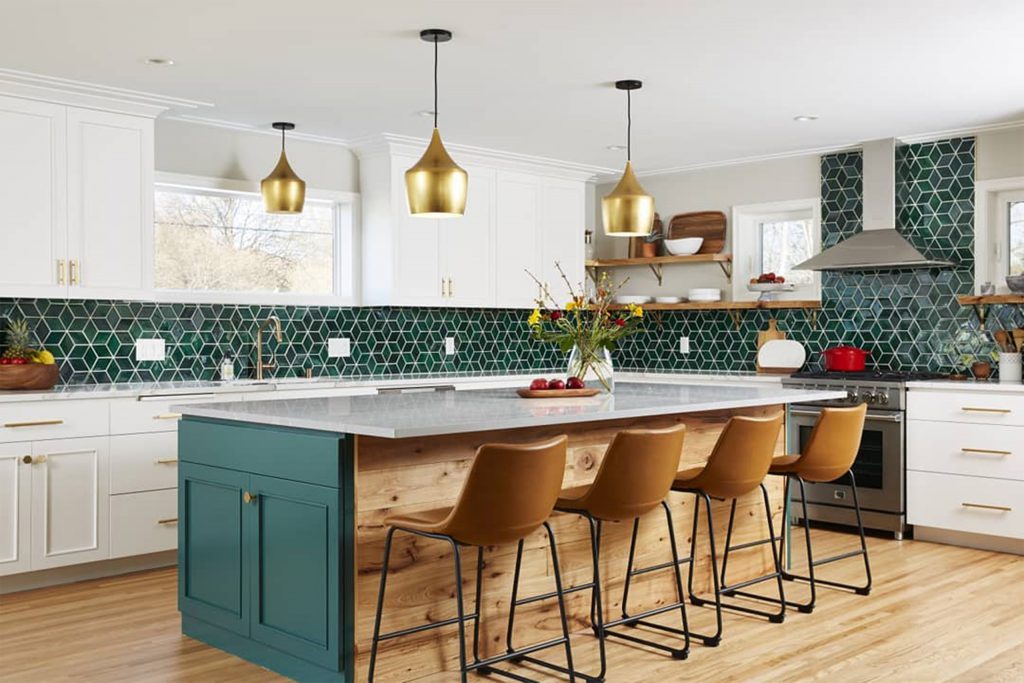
<point>828,456</point>
<point>510,492</point>
<point>737,465</point>
<point>633,479</point>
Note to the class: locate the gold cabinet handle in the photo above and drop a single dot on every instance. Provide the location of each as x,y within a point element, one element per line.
<point>34,460</point>
<point>982,506</point>
<point>34,423</point>
<point>60,271</point>
<point>451,287</point>
<point>986,451</point>
<point>172,520</point>
<point>167,416</point>
<point>74,271</point>
<point>1001,411</point>
<point>167,461</point>
<point>249,497</point>
<point>27,459</point>
<point>443,294</point>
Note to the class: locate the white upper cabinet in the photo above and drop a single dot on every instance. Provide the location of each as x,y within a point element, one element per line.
<point>517,219</point>
<point>33,167</point>
<point>76,201</point>
<point>110,202</point>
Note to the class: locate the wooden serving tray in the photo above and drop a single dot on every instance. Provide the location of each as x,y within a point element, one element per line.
<point>29,377</point>
<point>707,224</point>
<point>557,393</point>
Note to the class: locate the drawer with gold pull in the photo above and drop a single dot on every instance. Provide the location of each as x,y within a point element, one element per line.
<point>958,448</point>
<point>143,462</point>
<point>976,505</point>
<point>993,406</point>
<point>153,413</point>
<point>143,522</point>
<point>53,419</point>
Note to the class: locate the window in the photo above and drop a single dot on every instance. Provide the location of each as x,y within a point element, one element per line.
<point>773,238</point>
<point>999,231</point>
<point>219,240</point>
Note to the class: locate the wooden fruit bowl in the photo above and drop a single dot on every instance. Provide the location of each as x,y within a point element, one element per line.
<point>557,393</point>
<point>31,376</point>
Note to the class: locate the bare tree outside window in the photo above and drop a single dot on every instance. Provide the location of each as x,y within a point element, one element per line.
<point>210,240</point>
<point>1016,238</point>
<point>784,244</point>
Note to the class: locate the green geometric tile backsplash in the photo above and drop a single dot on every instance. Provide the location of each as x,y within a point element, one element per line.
<point>908,319</point>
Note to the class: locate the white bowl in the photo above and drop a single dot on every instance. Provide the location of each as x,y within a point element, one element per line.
<point>668,299</point>
<point>685,246</point>
<point>637,300</point>
<point>704,294</point>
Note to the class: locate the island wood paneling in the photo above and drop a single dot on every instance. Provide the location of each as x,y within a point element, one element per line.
<point>407,475</point>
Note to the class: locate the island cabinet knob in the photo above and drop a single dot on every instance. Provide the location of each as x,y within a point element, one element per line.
<point>249,497</point>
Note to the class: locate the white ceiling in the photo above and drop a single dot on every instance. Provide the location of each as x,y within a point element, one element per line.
<point>722,79</point>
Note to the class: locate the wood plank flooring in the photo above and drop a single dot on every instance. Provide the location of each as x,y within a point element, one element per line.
<point>937,613</point>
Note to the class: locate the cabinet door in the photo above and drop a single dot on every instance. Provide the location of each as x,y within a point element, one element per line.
<point>562,219</point>
<point>294,555</point>
<point>110,203</point>
<point>15,513</point>
<point>70,484</point>
<point>468,245</point>
<point>417,248</point>
<point>33,201</point>
<point>213,571</point>
<point>517,240</point>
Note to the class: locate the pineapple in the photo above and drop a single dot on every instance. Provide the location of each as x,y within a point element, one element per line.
<point>18,340</point>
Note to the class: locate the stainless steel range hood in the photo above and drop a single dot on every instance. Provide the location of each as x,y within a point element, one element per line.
<point>878,246</point>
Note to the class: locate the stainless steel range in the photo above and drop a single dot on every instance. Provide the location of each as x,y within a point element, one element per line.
<point>880,466</point>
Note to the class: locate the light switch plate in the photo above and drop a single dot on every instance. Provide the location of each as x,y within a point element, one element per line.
<point>150,349</point>
<point>684,345</point>
<point>449,346</point>
<point>339,347</point>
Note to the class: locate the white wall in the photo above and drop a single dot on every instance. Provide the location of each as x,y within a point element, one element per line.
<point>713,189</point>
<point>197,149</point>
<point>1000,154</point>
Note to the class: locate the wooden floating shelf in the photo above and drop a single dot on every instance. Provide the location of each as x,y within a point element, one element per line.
<point>736,308</point>
<point>983,301</point>
<point>655,263</point>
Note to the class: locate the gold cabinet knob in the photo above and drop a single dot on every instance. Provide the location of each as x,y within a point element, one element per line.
<point>249,497</point>
<point>27,459</point>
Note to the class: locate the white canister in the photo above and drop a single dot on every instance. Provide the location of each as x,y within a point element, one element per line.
<point>1010,368</point>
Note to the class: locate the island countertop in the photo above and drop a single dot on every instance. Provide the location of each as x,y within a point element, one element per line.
<point>406,415</point>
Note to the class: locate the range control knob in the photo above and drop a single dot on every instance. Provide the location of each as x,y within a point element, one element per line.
<point>851,396</point>
<point>868,397</point>
<point>881,397</point>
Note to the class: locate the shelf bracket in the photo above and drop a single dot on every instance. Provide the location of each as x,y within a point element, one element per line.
<point>737,317</point>
<point>656,269</point>
<point>981,310</point>
<point>812,317</point>
<point>726,267</point>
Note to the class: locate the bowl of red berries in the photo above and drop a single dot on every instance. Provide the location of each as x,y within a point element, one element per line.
<point>557,388</point>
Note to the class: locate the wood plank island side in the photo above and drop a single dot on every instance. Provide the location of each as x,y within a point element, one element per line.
<point>427,472</point>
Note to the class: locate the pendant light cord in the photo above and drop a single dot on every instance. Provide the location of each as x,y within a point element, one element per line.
<point>629,125</point>
<point>282,141</point>
<point>435,83</point>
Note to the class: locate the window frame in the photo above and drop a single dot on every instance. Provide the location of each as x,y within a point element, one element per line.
<point>746,244</point>
<point>992,230</point>
<point>346,249</point>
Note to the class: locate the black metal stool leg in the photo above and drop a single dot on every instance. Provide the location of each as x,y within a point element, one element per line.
<point>866,588</point>
<point>629,567</point>
<point>596,607</point>
<point>457,556</point>
<point>514,601</point>
<point>561,602</point>
<point>805,607</point>
<point>380,603</point>
<point>728,540</point>
<point>476,607</point>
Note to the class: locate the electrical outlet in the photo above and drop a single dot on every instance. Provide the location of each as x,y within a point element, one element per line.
<point>339,348</point>
<point>150,349</point>
<point>449,346</point>
<point>684,345</point>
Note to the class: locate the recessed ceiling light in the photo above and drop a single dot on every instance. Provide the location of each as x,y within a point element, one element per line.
<point>615,148</point>
<point>159,61</point>
<point>426,113</point>
<point>806,117</point>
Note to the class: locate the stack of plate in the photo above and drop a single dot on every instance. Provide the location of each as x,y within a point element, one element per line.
<point>625,300</point>
<point>704,294</point>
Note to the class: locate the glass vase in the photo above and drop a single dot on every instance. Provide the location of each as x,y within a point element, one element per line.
<point>593,366</point>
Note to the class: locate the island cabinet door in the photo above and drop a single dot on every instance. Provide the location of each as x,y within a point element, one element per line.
<point>213,571</point>
<point>296,581</point>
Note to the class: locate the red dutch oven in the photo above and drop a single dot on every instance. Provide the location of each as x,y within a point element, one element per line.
<point>845,358</point>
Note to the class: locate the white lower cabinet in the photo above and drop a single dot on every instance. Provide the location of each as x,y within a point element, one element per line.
<point>70,485</point>
<point>15,513</point>
<point>145,522</point>
<point>143,462</point>
<point>971,504</point>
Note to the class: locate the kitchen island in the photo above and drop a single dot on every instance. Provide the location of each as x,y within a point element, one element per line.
<point>281,506</point>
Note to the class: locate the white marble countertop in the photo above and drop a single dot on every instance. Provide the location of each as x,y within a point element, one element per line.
<point>968,385</point>
<point>452,412</point>
<point>135,389</point>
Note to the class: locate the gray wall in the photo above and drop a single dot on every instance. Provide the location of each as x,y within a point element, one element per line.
<point>1000,154</point>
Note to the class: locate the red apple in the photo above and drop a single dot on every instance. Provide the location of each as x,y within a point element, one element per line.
<point>556,384</point>
<point>575,383</point>
<point>539,384</point>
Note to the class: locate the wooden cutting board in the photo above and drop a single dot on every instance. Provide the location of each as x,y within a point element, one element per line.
<point>773,332</point>
<point>707,224</point>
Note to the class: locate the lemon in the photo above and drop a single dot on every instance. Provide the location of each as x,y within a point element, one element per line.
<point>45,357</point>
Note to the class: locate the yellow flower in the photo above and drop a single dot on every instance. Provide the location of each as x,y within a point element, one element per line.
<point>534,318</point>
<point>636,311</point>
<point>571,305</point>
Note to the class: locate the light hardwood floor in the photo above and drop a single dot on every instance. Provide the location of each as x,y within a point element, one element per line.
<point>937,613</point>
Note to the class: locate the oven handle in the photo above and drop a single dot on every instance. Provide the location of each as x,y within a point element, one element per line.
<point>877,417</point>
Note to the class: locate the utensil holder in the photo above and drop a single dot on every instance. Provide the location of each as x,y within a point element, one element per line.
<point>1009,368</point>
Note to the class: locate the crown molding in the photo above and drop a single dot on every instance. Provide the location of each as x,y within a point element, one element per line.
<point>391,143</point>
<point>262,130</point>
<point>959,132</point>
<point>90,95</point>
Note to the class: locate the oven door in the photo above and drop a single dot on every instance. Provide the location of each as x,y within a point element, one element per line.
<point>879,466</point>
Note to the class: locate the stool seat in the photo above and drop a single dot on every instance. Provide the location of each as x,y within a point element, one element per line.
<point>784,464</point>
<point>431,521</point>
<point>686,478</point>
<point>572,497</point>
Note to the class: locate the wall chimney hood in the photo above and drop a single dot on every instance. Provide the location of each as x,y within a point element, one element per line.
<point>878,246</point>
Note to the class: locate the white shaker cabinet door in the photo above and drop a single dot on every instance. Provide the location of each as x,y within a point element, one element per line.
<point>562,219</point>
<point>33,201</point>
<point>15,516</point>
<point>468,245</point>
<point>517,240</point>
<point>110,203</point>
<point>70,510</point>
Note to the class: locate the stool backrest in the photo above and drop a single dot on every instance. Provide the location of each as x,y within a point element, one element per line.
<point>742,456</point>
<point>833,444</point>
<point>636,473</point>
<point>510,491</point>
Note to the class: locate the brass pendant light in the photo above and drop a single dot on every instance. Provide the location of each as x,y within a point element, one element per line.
<point>628,211</point>
<point>283,191</point>
<point>436,186</point>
